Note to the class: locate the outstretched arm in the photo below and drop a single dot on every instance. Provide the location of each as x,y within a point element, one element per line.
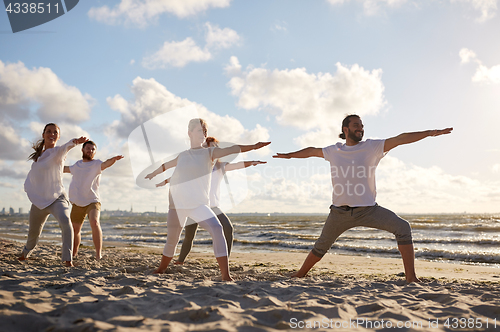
<point>162,168</point>
<point>407,138</point>
<point>222,152</point>
<point>110,162</point>
<point>304,153</point>
<point>72,143</point>
<point>243,164</point>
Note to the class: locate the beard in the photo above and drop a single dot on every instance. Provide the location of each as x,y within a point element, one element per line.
<point>352,135</point>
<point>87,156</point>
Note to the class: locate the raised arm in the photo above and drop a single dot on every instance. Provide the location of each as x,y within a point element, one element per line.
<point>80,140</point>
<point>304,153</point>
<point>407,138</point>
<point>222,152</point>
<point>110,162</point>
<point>162,168</point>
<point>66,169</point>
<point>243,164</point>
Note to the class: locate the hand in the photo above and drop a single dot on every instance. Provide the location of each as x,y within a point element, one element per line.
<point>163,183</point>
<point>150,176</point>
<point>257,162</point>
<point>441,132</point>
<point>118,157</point>
<point>260,145</point>
<point>282,155</point>
<point>80,140</point>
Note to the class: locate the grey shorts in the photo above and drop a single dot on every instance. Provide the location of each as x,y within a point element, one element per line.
<point>341,219</point>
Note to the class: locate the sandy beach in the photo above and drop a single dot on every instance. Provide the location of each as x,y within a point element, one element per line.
<point>345,293</point>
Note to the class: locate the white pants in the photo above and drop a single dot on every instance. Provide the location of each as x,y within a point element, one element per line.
<point>205,217</point>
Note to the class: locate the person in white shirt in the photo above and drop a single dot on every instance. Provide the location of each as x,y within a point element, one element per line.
<point>189,193</point>
<point>352,168</point>
<point>218,172</point>
<point>45,190</point>
<point>84,195</point>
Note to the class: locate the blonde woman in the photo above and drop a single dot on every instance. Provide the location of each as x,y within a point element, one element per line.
<point>189,193</point>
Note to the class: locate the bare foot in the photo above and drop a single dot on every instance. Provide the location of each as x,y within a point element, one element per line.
<point>22,258</point>
<point>227,278</point>
<point>159,271</point>
<point>415,279</point>
<point>68,264</point>
<point>178,263</point>
<point>297,275</point>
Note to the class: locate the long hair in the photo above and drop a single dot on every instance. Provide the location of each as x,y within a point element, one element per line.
<point>211,139</point>
<point>39,145</point>
<point>345,123</point>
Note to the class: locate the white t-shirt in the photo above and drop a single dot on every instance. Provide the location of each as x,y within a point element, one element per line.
<point>353,172</point>
<point>217,175</point>
<point>43,184</point>
<point>190,182</point>
<point>84,187</point>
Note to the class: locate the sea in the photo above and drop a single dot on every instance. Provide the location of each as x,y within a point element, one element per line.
<point>453,238</point>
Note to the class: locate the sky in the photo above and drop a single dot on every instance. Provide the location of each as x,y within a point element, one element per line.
<point>283,71</point>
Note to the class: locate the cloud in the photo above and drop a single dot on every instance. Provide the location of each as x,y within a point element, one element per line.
<point>7,185</point>
<point>487,8</point>
<point>14,170</point>
<point>496,168</point>
<point>220,38</point>
<point>142,12</point>
<point>152,99</point>
<point>483,74</point>
<point>372,7</point>
<point>179,54</point>
<point>13,146</point>
<point>279,26</point>
<point>401,187</point>
<point>308,101</point>
<point>409,187</point>
<point>21,88</point>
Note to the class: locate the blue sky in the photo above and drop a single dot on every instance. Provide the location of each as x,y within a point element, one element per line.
<point>284,71</point>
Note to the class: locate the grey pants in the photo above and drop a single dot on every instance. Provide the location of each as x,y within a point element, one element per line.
<point>190,232</point>
<point>341,219</point>
<point>37,218</point>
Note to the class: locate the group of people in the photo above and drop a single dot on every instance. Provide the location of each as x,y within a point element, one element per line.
<point>45,190</point>
<point>194,192</point>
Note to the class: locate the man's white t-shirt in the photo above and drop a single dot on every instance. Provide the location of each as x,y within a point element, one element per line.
<point>84,187</point>
<point>353,172</point>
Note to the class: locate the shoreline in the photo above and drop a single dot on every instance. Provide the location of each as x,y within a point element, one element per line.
<point>119,293</point>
